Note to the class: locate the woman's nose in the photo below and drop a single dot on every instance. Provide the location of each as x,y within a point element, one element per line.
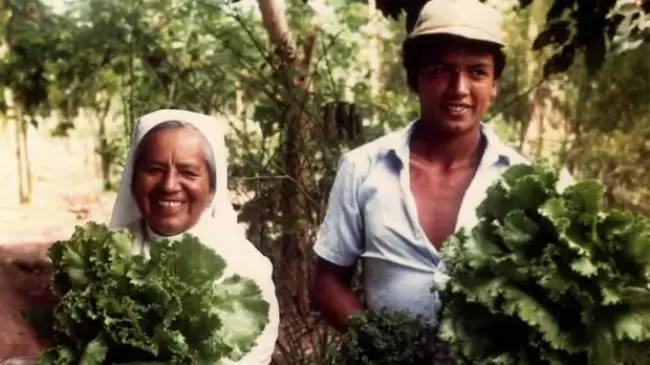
<point>170,181</point>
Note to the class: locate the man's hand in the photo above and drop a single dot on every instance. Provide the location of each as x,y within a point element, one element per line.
<point>332,295</point>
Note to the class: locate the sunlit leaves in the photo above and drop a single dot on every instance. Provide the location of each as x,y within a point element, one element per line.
<point>568,281</point>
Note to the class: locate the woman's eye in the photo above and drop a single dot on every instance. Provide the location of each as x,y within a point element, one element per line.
<point>154,170</point>
<point>189,173</point>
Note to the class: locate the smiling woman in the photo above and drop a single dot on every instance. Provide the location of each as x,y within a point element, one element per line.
<point>174,177</point>
<point>175,182</point>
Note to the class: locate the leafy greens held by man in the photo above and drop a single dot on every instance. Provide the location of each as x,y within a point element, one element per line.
<point>174,184</point>
<point>557,278</point>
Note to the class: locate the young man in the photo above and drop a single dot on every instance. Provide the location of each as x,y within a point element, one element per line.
<point>397,199</point>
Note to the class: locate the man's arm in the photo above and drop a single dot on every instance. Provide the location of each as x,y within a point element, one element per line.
<point>332,295</point>
<point>338,246</point>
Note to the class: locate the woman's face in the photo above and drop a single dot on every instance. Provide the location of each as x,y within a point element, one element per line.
<point>171,183</point>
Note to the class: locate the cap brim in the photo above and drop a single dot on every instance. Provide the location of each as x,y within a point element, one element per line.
<point>466,32</point>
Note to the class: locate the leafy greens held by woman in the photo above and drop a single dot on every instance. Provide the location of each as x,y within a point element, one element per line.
<point>173,202</point>
<point>548,277</point>
<point>174,308</point>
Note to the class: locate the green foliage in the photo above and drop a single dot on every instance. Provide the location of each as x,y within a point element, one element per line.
<point>31,39</point>
<point>571,27</point>
<point>388,337</point>
<point>557,278</point>
<point>120,308</point>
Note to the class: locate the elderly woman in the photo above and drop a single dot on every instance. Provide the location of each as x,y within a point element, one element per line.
<point>175,182</point>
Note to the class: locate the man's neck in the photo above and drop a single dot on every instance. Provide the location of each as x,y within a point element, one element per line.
<point>447,150</point>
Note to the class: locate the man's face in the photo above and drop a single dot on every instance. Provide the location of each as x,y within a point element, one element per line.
<point>456,84</point>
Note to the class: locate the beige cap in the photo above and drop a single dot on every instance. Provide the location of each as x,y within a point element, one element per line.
<point>469,19</point>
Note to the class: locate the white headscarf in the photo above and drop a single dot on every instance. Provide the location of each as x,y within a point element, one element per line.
<point>217,227</point>
<point>220,212</point>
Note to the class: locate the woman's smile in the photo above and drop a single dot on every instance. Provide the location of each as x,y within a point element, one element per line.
<point>169,207</point>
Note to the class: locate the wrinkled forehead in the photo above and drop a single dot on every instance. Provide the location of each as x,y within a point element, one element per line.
<point>206,147</point>
<point>174,125</point>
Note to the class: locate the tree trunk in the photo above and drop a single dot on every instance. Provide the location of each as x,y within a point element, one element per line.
<point>106,159</point>
<point>374,58</point>
<point>532,129</point>
<point>241,108</point>
<point>22,156</point>
<point>293,274</point>
<point>12,125</point>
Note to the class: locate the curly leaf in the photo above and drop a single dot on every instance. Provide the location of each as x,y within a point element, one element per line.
<point>243,311</point>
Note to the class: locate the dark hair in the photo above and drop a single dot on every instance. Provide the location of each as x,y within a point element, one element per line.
<point>175,124</point>
<point>415,49</point>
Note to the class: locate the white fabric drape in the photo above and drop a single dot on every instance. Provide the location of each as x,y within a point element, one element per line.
<point>216,228</point>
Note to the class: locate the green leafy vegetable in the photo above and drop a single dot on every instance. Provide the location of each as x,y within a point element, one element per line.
<point>120,308</point>
<point>389,337</point>
<point>547,277</point>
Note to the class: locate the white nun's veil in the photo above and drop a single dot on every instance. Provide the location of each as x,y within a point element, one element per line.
<point>126,211</point>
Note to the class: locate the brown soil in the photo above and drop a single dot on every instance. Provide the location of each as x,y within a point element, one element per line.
<point>24,278</point>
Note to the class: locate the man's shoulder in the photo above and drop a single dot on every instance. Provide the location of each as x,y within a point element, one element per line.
<point>370,152</point>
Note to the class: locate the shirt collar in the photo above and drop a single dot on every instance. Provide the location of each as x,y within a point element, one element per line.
<point>496,152</point>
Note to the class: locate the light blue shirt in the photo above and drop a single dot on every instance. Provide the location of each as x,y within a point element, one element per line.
<point>372,215</point>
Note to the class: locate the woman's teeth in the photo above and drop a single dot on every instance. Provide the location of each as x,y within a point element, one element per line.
<point>169,203</point>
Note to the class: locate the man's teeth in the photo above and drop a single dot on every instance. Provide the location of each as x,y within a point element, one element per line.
<point>169,203</point>
<point>457,108</point>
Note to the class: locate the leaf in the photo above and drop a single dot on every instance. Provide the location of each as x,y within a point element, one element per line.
<point>586,199</point>
<point>95,352</point>
<point>528,193</point>
<point>560,61</point>
<point>595,54</point>
<point>584,267</point>
<point>524,3</point>
<point>495,205</point>
<point>59,355</point>
<point>556,32</point>
<point>518,230</point>
<point>558,8</point>
<point>512,175</point>
<point>633,325</point>
<point>189,260</point>
<point>530,311</point>
<point>243,312</point>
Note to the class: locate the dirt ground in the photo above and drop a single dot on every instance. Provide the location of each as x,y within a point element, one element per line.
<point>22,283</point>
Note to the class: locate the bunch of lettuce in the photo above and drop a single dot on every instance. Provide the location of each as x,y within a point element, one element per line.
<point>118,308</point>
<point>387,337</point>
<point>548,277</point>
